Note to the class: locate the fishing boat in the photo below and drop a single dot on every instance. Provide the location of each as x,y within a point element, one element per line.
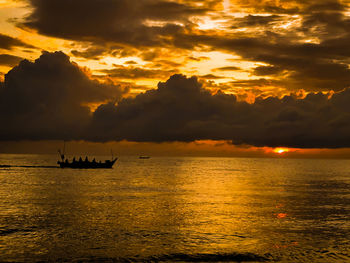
<point>84,164</point>
<point>144,157</point>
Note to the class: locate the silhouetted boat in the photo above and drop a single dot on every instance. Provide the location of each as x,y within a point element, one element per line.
<point>86,164</point>
<point>144,157</point>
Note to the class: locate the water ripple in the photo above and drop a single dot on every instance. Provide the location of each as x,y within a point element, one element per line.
<point>181,257</point>
<point>204,257</point>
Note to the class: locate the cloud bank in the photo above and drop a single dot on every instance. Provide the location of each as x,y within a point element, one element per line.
<point>45,100</point>
<point>48,98</point>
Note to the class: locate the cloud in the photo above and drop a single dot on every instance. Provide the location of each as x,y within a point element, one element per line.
<point>267,70</point>
<point>277,7</point>
<point>311,53</point>
<point>98,51</point>
<point>47,99</point>
<point>9,60</point>
<point>181,110</point>
<point>132,72</point>
<point>131,22</point>
<point>302,44</point>
<point>228,68</point>
<point>90,53</point>
<point>7,42</point>
<point>255,21</point>
<point>211,76</point>
<point>130,62</point>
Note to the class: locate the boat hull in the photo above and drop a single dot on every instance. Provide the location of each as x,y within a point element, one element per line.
<point>108,164</point>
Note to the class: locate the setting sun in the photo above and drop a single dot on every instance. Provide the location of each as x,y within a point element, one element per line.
<point>280,150</point>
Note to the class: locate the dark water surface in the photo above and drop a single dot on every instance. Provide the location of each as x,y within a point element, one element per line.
<point>175,209</point>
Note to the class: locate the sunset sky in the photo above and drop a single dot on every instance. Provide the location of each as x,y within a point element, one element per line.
<point>231,77</point>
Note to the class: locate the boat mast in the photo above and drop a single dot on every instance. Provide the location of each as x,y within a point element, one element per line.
<point>64,151</point>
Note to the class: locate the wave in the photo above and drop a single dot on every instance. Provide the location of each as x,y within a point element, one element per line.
<point>204,257</point>
<point>199,257</point>
<point>9,231</point>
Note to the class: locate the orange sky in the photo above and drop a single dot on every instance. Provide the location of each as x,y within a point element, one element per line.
<point>254,50</point>
<point>142,67</point>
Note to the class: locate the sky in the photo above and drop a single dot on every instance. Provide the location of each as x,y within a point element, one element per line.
<point>228,77</point>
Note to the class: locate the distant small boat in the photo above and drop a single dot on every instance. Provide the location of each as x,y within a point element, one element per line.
<point>144,157</point>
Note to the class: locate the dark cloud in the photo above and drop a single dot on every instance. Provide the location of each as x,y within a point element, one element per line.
<point>288,7</point>
<point>90,53</point>
<point>130,62</point>
<point>118,21</point>
<point>97,52</point>
<point>7,42</point>
<point>253,83</point>
<point>161,63</point>
<point>311,54</point>
<point>309,66</point>
<point>267,70</point>
<point>325,20</point>
<point>132,72</point>
<point>228,68</point>
<point>9,60</point>
<point>47,99</point>
<point>255,21</point>
<point>181,110</point>
<point>44,100</point>
<point>198,58</point>
<point>211,76</point>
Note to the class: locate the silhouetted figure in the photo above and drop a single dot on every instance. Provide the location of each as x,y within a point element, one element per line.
<point>73,160</point>
<point>86,159</point>
<point>80,160</point>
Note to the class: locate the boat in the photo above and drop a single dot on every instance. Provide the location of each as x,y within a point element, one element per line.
<point>85,164</point>
<point>144,157</point>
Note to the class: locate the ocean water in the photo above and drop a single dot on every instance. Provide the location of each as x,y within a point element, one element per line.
<point>169,209</point>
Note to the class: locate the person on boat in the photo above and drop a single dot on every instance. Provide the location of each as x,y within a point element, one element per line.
<point>80,160</point>
<point>86,159</point>
<point>94,160</point>
<point>73,161</point>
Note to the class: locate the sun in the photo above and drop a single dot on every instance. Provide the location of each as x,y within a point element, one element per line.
<point>280,150</point>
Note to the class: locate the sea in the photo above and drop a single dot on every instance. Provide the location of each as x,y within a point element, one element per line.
<point>175,209</point>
